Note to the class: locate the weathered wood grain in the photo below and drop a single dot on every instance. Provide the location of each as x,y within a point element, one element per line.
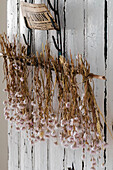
<point>13,135</point>
<point>41,148</point>
<point>26,149</point>
<point>55,152</point>
<point>94,51</point>
<point>74,42</point>
<point>84,34</point>
<point>24,162</point>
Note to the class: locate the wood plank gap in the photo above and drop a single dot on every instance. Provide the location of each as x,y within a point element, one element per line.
<point>19,151</point>
<point>32,157</point>
<point>48,156</point>
<point>18,21</point>
<point>64,159</point>
<point>82,165</point>
<point>105,59</point>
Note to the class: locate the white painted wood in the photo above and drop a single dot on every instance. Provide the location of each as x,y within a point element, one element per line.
<point>40,150</point>
<point>24,161</point>
<point>74,42</point>
<point>26,149</point>
<point>55,152</point>
<point>94,50</point>
<point>13,135</point>
<point>84,35</point>
<point>11,18</point>
<point>74,27</point>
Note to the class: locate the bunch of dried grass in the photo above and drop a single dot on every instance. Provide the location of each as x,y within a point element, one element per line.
<point>76,122</point>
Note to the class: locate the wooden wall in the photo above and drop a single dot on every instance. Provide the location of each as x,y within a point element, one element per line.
<point>89,31</point>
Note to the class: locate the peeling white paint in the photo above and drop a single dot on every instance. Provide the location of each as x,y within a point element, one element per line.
<point>84,35</point>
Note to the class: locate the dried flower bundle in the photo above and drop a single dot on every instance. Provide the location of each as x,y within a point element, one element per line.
<point>76,121</point>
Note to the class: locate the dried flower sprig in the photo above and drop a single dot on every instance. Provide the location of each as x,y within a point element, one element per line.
<point>76,122</point>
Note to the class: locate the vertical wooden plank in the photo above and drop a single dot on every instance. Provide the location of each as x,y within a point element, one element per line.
<point>14,136</point>
<point>11,18</point>
<point>27,149</point>
<point>25,144</point>
<point>88,18</point>
<point>18,41</point>
<point>56,152</point>
<point>74,27</point>
<point>94,51</point>
<point>105,65</point>
<point>74,42</point>
<point>110,85</point>
<point>56,156</point>
<point>40,35</point>
<point>40,148</point>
